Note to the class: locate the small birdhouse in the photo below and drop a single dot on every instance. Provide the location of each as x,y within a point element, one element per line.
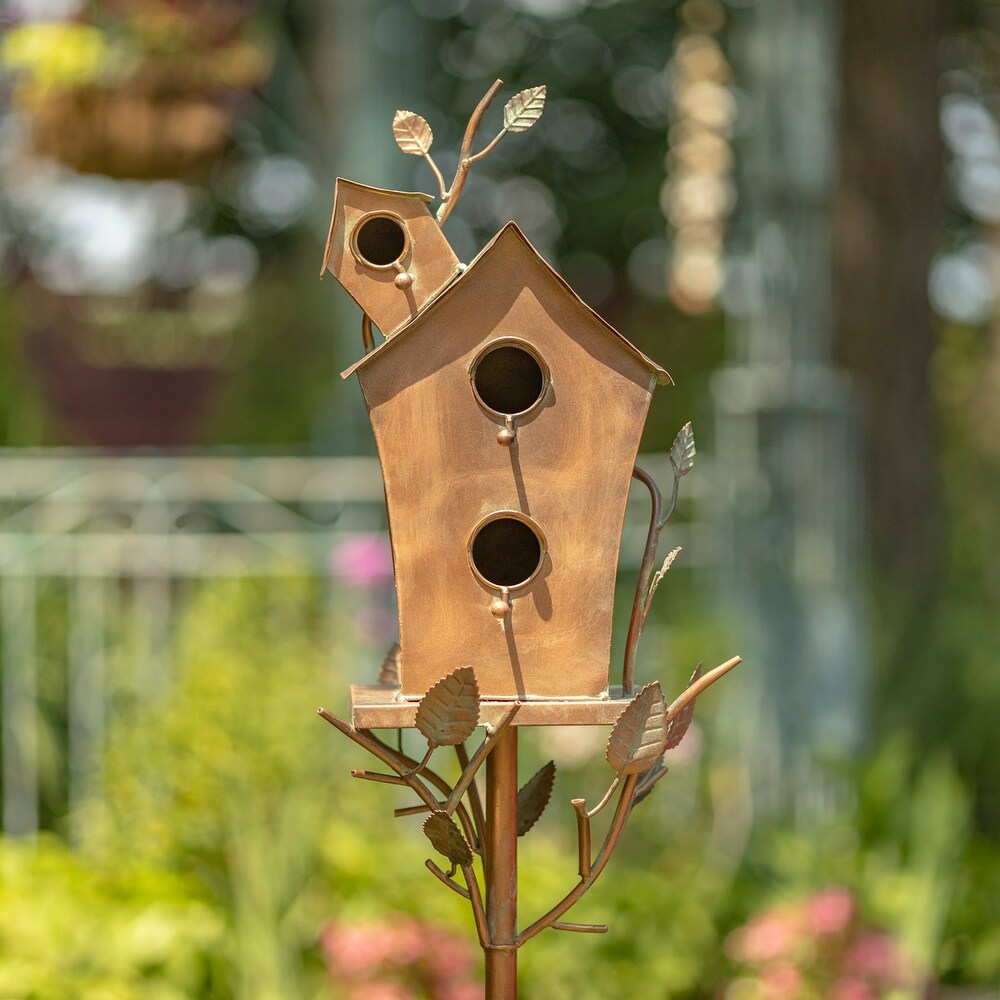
<point>507,416</point>
<point>387,250</point>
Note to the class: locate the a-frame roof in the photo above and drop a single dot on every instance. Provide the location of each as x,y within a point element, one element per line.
<point>512,231</point>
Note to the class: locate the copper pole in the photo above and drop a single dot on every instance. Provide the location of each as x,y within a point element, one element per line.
<point>501,872</point>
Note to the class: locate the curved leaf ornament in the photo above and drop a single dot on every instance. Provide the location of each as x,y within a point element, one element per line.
<point>447,839</point>
<point>413,133</point>
<point>449,712</point>
<point>678,725</point>
<point>534,797</point>
<point>524,109</point>
<point>682,451</point>
<point>648,780</point>
<point>639,736</point>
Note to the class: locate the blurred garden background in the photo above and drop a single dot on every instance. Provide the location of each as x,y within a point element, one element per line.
<point>793,207</point>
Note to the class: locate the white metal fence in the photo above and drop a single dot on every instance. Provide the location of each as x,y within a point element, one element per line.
<point>93,546</point>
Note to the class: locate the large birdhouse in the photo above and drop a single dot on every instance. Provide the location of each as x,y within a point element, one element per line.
<point>507,416</point>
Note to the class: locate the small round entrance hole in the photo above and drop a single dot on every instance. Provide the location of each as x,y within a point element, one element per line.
<point>509,379</point>
<point>506,552</point>
<point>381,241</point>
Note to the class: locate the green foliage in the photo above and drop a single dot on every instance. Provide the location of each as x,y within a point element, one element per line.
<point>70,929</point>
<point>937,658</point>
<point>229,835</point>
<point>224,780</point>
<point>233,782</point>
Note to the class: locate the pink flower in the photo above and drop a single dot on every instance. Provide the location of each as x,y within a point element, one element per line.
<point>780,981</point>
<point>354,951</point>
<point>851,989</point>
<point>382,990</point>
<point>875,957</point>
<point>363,560</point>
<point>450,957</point>
<point>406,942</point>
<point>830,911</point>
<point>400,959</point>
<point>462,991</point>
<point>770,936</point>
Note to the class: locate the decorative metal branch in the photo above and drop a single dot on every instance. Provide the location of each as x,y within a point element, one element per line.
<point>474,834</point>
<point>603,857</point>
<point>643,733</point>
<point>451,883</point>
<point>448,714</point>
<point>475,800</point>
<point>479,758</point>
<point>384,753</point>
<point>367,337</point>
<point>682,455</point>
<point>414,136</point>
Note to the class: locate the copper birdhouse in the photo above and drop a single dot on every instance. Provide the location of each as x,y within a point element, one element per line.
<point>507,416</point>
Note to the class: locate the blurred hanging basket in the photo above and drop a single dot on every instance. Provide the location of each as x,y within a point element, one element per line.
<point>126,371</point>
<point>130,136</point>
<point>169,119</point>
<point>132,330</point>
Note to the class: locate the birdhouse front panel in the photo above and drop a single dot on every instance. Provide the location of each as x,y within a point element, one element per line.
<point>507,418</point>
<point>387,250</point>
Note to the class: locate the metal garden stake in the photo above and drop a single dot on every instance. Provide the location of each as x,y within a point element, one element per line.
<point>507,416</point>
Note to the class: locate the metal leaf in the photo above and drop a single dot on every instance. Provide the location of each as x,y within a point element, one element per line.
<point>524,109</point>
<point>640,734</point>
<point>534,797</point>
<point>657,580</point>
<point>649,779</point>
<point>413,133</point>
<point>388,673</point>
<point>682,451</point>
<point>447,839</point>
<point>449,712</point>
<point>678,725</point>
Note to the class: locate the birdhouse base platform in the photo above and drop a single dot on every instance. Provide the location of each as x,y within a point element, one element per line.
<point>378,707</point>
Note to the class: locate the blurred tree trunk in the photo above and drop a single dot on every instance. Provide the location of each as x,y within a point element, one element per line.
<point>886,229</point>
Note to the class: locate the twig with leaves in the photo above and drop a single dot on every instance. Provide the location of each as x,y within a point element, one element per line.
<point>682,456</point>
<point>645,730</point>
<point>447,716</point>
<point>414,136</point>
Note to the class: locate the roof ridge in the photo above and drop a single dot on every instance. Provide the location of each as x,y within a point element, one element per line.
<point>662,375</point>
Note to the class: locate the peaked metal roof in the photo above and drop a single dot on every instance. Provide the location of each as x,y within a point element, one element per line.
<point>509,231</point>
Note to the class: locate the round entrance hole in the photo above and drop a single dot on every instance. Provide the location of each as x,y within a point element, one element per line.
<point>506,552</point>
<point>508,379</point>
<point>380,240</point>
